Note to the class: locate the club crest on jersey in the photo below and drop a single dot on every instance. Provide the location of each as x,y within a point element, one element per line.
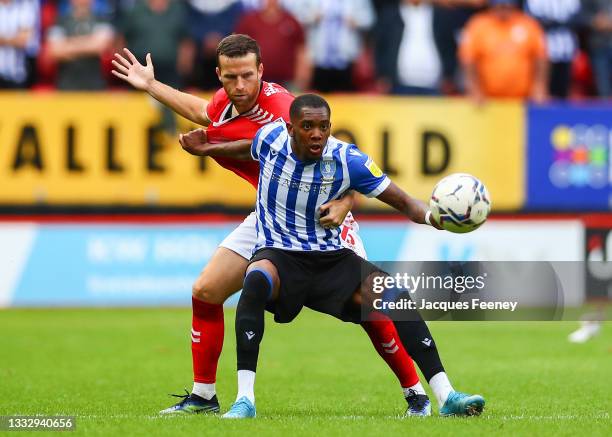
<point>328,169</point>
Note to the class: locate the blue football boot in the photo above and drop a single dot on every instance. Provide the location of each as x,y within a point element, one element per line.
<point>462,404</point>
<point>243,408</point>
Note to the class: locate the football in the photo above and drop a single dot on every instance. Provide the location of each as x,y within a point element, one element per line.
<point>460,203</point>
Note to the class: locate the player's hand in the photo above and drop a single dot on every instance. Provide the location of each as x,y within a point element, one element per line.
<point>194,142</point>
<point>334,212</point>
<point>133,72</point>
<point>435,224</point>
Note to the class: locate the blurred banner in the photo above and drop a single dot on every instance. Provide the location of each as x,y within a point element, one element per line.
<point>418,141</point>
<point>88,264</point>
<point>115,149</point>
<point>105,149</point>
<point>568,157</point>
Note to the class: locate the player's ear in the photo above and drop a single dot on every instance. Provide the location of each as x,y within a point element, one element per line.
<point>290,129</point>
<point>218,73</point>
<point>260,70</point>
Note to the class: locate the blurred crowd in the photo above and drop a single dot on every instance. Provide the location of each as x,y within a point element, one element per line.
<point>532,49</point>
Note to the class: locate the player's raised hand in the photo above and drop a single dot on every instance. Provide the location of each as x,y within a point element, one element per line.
<point>133,72</point>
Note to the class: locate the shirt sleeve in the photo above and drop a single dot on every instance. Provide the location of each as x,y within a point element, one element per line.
<point>366,177</point>
<point>264,137</point>
<point>213,105</point>
<point>280,103</point>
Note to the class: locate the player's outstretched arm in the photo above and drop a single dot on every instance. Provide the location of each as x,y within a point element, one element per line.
<point>415,209</point>
<point>196,143</point>
<point>142,77</point>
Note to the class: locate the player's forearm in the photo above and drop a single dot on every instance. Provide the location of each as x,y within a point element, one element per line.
<point>191,107</point>
<point>240,149</point>
<point>414,209</point>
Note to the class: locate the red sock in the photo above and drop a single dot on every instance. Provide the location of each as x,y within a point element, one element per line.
<point>206,340</point>
<point>386,340</point>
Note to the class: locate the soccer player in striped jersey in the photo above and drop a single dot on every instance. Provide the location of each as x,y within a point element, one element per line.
<point>237,111</point>
<point>297,261</point>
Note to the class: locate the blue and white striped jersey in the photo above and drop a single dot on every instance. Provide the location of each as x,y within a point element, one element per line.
<point>291,191</point>
<point>15,17</point>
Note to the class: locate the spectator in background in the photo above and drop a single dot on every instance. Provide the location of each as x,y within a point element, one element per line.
<point>282,43</point>
<point>598,15</point>
<point>209,21</point>
<point>18,26</point>
<point>559,18</point>
<point>503,53</point>
<point>407,59</point>
<point>76,43</point>
<point>450,17</point>
<point>334,38</point>
<point>158,27</point>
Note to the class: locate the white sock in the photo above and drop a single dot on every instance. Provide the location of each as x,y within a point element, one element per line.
<point>416,387</point>
<point>206,391</point>
<point>246,385</point>
<point>441,387</point>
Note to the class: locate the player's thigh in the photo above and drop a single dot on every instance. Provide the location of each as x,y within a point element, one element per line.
<point>270,270</point>
<point>222,276</point>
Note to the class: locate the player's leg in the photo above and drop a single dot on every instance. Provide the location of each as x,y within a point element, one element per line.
<point>261,284</point>
<point>221,278</point>
<point>386,341</point>
<point>420,344</point>
<point>385,338</point>
<point>418,341</point>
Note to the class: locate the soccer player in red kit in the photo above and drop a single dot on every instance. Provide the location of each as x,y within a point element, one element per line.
<point>237,111</point>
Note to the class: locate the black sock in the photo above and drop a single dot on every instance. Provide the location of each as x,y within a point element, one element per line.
<point>250,318</point>
<point>420,345</point>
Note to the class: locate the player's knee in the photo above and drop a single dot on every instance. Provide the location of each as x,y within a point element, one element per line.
<point>206,291</point>
<point>258,285</point>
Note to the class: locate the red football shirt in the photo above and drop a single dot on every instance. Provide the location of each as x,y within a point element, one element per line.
<point>272,103</point>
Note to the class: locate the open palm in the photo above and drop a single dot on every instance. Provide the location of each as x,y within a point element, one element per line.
<point>132,71</point>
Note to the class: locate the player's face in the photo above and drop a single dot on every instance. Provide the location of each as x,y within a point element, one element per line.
<point>240,78</point>
<point>310,133</point>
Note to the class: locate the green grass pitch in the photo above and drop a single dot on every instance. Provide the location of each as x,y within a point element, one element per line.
<point>113,369</point>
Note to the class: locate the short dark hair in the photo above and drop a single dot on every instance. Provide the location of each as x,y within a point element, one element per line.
<point>307,101</point>
<point>238,45</point>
